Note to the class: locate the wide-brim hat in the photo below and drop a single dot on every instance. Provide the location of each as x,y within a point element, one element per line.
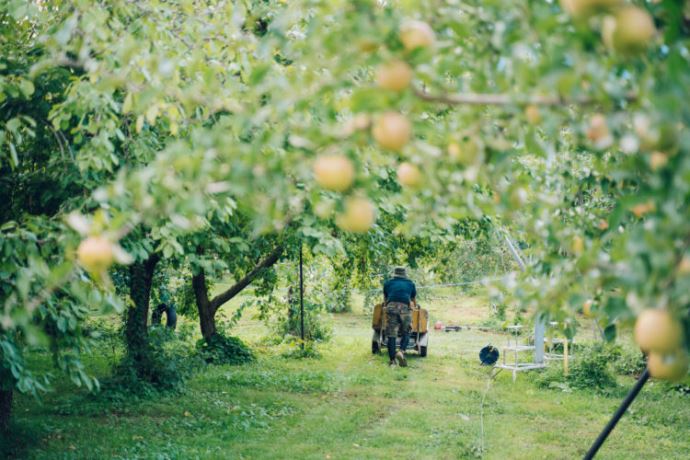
<point>400,272</point>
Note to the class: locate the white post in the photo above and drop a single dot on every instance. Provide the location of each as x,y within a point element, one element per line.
<point>539,324</point>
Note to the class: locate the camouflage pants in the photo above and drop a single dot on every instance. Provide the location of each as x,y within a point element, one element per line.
<point>398,317</point>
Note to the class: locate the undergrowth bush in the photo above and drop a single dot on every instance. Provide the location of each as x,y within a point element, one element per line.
<point>629,361</point>
<point>220,349</point>
<point>315,326</point>
<point>590,371</point>
<point>167,364</point>
<point>296,351</point>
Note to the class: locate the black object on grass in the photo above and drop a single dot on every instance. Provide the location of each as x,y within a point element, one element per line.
<point>488,355</point>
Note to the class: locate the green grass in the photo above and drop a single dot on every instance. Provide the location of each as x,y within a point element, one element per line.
<point>349,404</point>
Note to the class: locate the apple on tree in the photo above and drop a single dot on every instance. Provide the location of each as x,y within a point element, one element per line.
<point>598,131</point>
<point>334,172</point>
<point>392,131</point>
<point>532,114</point>
<point>95,254</point>
<point>633,31</point>
<point>409,175</point>
<point>684,265</point>
<point>669,366</point>
<point>656,330</point>
<point>416,34</point>
<point>394,75</point>
<point>358,216</point>
<point>467,152</point>
<point>587,308</point>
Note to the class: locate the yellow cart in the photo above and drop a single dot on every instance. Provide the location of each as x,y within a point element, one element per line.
<point>419,333</point>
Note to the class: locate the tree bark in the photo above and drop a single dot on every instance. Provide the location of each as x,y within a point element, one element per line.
<point>206,314</point>
<point>208,307</point>
<point>136,333</point>
<point>5,408</point>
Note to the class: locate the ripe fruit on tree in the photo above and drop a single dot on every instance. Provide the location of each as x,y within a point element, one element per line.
<point>634,30</point>
<point>367,45</point>
<point>416,34</point>
<point>359,215</point>
<point>587,308</point>
<point>598,130</point>
<point>608,26</point>
<point>394,75</point>
<point>670,366</point>
<point>684,265</point>
<point>466,152</point>
<point>532,114</point>
<point>334,172</point>
<point>454,150</point>
<point>578,245</point>
<point>663,137</point>
<point>657,331</point>
<point>95,253</point>
<point>643,208</point>
<point>518,197</point>
<point>409,175</point>
<point>657,160</point>
<point>361,121</point>
<point>392,131</point>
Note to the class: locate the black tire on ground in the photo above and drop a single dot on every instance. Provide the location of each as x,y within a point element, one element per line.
<point>422,352</point>
<point>375,348</point>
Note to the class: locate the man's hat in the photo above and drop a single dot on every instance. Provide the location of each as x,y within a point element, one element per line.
<point>400,272</point>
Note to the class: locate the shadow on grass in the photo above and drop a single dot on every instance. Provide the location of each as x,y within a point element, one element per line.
<point>19,439</point>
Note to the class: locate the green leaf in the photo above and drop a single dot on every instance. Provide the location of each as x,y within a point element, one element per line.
<point>27,88</point>
<point>610,333</point>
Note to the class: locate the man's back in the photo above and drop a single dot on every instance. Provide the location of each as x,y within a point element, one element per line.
<point>399,289</point>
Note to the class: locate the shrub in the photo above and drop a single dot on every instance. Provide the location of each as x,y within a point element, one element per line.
<point>296,351</point>
<point>220,349</point>
<point>339,301</point>
<point>590,371</point>
<point>315,328</point>
<point>167,363</point>
<point>629,362</point>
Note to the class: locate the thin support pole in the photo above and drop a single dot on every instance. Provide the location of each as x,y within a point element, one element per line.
<point>617,416</point>
<point>566,368</point>
<point>539,324</point>
<point>301,297</point>
<point>514,251</point>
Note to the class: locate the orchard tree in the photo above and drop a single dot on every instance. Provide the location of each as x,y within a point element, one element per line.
<point>564,122</point>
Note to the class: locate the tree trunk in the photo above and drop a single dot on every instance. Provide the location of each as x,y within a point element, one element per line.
<point>5,408</point>
<point>136,334</point>
<point>207,319</point>
<point>208,307</point>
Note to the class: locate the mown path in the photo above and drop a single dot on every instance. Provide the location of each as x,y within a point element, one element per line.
<point>349,404</point>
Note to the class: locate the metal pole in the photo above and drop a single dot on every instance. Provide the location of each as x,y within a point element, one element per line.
<point>539,324</point>
<point>516,255</point>
<point>301,297</point>
<point>617,416</point>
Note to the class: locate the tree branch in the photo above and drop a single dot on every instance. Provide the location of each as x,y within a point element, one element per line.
<point>506,99</point>
<point>235,289</point>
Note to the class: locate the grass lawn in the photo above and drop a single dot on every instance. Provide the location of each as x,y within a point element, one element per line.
<point>349,404</point>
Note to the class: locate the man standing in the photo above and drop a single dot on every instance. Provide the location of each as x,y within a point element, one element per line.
<point>398,294</point>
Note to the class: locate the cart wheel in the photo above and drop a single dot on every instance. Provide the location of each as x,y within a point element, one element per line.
<point>375,348</point>
<point>422,352</point>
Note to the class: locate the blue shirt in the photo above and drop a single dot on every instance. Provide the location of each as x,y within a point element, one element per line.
<point>399,290</point>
